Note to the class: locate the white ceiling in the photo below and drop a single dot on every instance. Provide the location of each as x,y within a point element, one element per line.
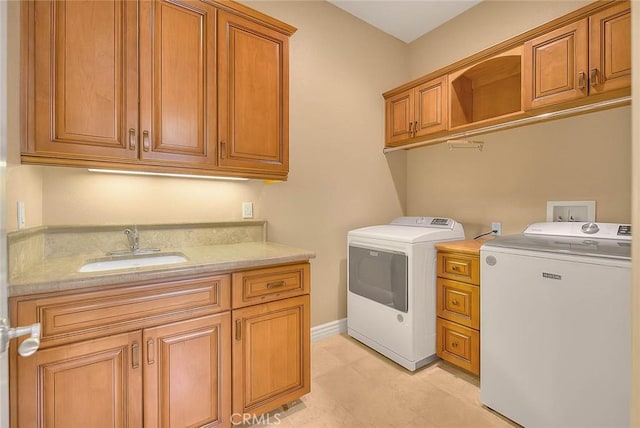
<point>405,19</point>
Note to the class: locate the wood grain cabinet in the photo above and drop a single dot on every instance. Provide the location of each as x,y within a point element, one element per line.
<point>136,85</point>
<point>253,96</point>
<point>271,341</point>
<point>416,112</point>
<point>458,304</point>
<point>587,57</point>
<point>131,356</point>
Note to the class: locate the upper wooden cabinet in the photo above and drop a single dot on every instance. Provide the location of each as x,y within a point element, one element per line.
<point>488,90</point>
<point>583,58</point>
<point>178,83</point>
<point>416,112</point>
<point>156,86</point>
<point>610,49</point>
<point>81,79</point>
<point>254,89</point>
<point>587,57</point>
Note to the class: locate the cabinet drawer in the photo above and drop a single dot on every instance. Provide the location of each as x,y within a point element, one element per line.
<point>88,315</point>
<point>460,267</point>
<point>264,285</point>
<point>458,344</point>
<point>459,302</point>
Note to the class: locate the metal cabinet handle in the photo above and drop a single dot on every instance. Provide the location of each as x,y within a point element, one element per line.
<point>411,129</point>
<point>593,79</point>
<point>223,150</point>
<point>581,79</point>
<point>454,344</point>
<point>454,302</point>
<point>276,284</point>
<point>455,267</point>
<point>238,329</point>
<point>132,139</point>
<point>146,141</point>
<point>150,352</point>
<point>135,355</point>
<point>415,128</point>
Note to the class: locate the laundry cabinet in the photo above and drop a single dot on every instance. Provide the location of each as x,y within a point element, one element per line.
<point>583,58</point>
<point>271,337</point>
<point>458,304</point>
<point>127,356</point>
<point>181,86</point>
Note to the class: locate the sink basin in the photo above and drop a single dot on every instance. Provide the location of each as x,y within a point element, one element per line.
<point>132,261</point>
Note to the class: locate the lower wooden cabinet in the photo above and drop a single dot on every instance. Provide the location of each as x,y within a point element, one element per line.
<point>95,383</point>
<point>271,362</point>
<point>187,368</point>
<point>458,304</point>
<point>175,375</point>
<point>170,354</point>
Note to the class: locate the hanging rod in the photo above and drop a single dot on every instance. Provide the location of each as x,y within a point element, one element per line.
<point>514,123</point>
<point>465,144</point>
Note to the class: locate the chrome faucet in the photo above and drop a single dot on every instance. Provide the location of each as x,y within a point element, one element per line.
<point>132,236</point>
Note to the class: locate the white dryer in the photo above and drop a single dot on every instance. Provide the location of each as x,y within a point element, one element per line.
<point>391,294</point>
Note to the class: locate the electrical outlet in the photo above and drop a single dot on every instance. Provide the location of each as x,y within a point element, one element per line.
<point>247,210</point>
<point>497,228</point>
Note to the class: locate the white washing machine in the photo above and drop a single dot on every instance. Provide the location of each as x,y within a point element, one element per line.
<point>555,322</point>
<point>391,290</point>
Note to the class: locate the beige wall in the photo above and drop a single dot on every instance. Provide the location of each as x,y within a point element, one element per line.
<point>580,158</point>
<point>339,177</point>
<point>635,293</point>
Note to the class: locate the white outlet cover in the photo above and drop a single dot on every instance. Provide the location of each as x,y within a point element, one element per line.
<point>581,211</point>
<point>247,210</point>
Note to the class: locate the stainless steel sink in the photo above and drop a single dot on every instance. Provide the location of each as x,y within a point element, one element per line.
<point>132,261</point>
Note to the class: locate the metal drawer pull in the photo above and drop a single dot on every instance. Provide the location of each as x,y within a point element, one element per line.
<point>132,139</point>
<point>411,129</point>
<point>135,355</point>
<point>146,144</point>
<point>581,78</point>
<point>454,344</point>
<point>150,352</point>
<point>238,329</point>
<point>593,80</point>
<point>454,302</point>
<point>276,284</point>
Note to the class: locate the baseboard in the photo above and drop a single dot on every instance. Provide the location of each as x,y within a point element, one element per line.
<point>329,329</point>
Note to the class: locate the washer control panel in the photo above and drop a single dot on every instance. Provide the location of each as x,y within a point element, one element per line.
<point>616,231</point>
<point>440,222</point>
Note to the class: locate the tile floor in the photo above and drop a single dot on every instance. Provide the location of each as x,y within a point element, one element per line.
<point>353,386</point>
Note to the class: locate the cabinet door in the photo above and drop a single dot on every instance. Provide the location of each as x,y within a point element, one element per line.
<point>96,383</point>
<point>82,93</point>
<point>610,49</point>
<point>270,354</point>
<point>555,66</point>
<point>430,113</point>
<point>178,83</point>
<point>253,76</point>
<point>187,373</point>
<point>399,118</point>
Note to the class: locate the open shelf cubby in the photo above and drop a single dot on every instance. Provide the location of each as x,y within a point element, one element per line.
<point>489,89</point>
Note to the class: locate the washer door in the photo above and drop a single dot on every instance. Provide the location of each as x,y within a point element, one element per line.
<point>379,275</point>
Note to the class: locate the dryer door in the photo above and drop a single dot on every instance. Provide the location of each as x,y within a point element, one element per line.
<point>379,275</point>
